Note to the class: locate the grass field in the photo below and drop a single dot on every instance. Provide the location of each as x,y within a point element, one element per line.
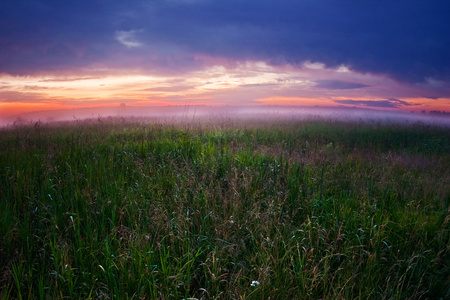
<point>228,210</point>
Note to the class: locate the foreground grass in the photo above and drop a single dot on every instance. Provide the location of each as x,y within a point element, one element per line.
<point>309,209</point>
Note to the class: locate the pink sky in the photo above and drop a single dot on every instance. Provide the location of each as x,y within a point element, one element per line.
<point>239,84</point>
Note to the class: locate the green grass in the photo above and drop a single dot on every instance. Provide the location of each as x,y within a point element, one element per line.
<point>309,209</point>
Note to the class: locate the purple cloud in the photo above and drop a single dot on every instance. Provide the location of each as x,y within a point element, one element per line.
<point>388,103</point>
<point>339,85</point>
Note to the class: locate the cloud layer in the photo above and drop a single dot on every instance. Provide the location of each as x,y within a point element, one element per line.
<point>405,40</point>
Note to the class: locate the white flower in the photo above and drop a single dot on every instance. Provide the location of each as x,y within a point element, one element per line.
<point>255,283</point>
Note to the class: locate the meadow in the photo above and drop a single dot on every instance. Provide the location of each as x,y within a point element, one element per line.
<point>226,209</point>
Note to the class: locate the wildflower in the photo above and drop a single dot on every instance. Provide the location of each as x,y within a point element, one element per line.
<point>255,283</point>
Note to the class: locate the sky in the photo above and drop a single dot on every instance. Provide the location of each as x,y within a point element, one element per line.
<point>384,55</point>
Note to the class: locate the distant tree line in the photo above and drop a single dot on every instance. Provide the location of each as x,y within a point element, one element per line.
<point>437,112</point>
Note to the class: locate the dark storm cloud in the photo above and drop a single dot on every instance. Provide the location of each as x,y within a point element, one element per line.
<point>406,40</point>
<point>388,103</point>
<point>339,85</point>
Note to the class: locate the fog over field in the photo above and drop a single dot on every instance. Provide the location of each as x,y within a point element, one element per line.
<point>188,113</point>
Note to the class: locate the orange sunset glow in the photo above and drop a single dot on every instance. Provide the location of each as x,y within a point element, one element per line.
<point>249,84</point>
